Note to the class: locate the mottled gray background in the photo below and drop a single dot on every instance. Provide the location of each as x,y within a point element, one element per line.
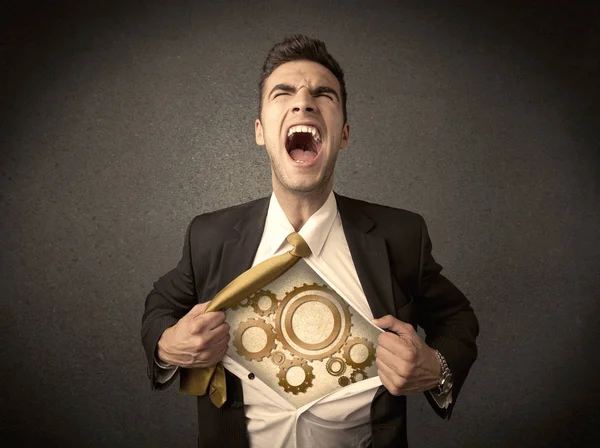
<point>121,120</point>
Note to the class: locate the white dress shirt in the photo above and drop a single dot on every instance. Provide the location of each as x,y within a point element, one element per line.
<point>342,418</point>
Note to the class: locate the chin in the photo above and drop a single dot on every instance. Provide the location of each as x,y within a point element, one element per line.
<point>300,187</point>
<point>300,182</point>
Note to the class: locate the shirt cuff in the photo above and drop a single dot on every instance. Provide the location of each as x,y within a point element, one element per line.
<point>165,371</point>
<point>442,400</point>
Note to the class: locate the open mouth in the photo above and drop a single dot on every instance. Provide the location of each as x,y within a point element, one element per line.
<point>303,143</point>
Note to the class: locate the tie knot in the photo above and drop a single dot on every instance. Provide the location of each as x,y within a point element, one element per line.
<point>300,249</point>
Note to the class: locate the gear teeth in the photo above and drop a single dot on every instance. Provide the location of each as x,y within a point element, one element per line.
<point>265,351</point>
<point>307,353</point>
<point>357,372</point>
<point>330,364</point>
<point>255,298</point>
<point>351,342</point>
<point>308,376</point>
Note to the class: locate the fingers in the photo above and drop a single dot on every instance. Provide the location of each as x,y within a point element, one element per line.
<point>197,310</point>
<point>398,379</point>
<point>392,365</point>
<point>207,322</point>
<point>204,337</point>
<point>211,352</point>
<point>383,368</point>
<point>394,387</point>
<point>218,334</point>
<point>217,356</point>
<point>397,385</point>
<point>401,346</point>
<point>389,322</point>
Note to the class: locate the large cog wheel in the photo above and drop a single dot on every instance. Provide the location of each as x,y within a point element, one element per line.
<point>308,376</point>
<point>313,351</point>
<point>243,351</point>
<point>359,341</point>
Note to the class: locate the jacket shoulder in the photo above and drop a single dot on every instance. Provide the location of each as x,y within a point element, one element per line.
<point>217,223</point>
<point>381,208</point>
<point>385,217</point>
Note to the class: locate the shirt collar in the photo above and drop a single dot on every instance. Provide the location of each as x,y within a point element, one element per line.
<point>315,231</point>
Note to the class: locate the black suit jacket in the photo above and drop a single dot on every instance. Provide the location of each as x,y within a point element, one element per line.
<point>391,250</point>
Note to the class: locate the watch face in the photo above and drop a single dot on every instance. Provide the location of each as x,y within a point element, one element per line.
<point>446,385</point>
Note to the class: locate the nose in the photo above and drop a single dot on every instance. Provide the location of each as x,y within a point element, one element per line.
<point>304,102</point>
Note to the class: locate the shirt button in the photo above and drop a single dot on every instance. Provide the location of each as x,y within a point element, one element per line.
<point>236,404</point>
<point>250,376</point>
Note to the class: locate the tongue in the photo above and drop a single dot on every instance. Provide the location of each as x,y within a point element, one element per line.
<point>300,154</point>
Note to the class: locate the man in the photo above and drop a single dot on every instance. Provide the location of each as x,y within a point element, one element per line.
<point>379,256</point>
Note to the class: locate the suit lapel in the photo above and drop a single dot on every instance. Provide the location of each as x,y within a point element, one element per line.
<point>370,257</point>
<point>239,250</point>
<point>368,251</point>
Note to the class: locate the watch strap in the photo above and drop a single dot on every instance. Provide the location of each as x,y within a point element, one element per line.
<point>445,382</point>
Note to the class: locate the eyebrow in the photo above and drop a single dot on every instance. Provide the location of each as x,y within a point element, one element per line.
<point>316,91</point>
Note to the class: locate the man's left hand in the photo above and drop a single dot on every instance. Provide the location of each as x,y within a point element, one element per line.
<point>405,363</point>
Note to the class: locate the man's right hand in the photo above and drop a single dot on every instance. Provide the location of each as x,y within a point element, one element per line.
<point>197,340</point>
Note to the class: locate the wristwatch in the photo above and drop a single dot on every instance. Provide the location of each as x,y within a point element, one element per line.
<point>445,383</point>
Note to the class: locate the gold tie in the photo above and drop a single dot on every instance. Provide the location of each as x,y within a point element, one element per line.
<point>196,381</point>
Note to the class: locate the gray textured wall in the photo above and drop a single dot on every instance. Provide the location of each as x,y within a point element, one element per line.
<point>120,121</point>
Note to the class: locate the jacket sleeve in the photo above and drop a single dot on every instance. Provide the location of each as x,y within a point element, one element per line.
<point>171,298</point>
<point>448,320</point>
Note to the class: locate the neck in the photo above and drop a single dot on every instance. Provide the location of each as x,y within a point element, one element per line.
<point>299,207</point>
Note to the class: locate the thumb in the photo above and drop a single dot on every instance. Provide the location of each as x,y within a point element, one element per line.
<point>389,322</point>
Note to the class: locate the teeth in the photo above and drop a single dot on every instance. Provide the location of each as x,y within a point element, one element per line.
<point>306,129</point>
<point>298,161</point>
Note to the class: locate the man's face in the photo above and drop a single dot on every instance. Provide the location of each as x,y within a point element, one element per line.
<point>302,126</point>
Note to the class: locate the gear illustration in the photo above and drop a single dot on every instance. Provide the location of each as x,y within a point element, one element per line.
<point>308,376</point>
<point>278,358</point>
<point>359,341</point>
<point>343,381</point>
<point>243,351</point>
<point>358,375</point>
<point>335,366</point>
<point>312,293</point>
<point>254,301</point>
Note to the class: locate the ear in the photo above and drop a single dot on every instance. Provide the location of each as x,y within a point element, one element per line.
<point>345,136</point>
<point>258,133</point>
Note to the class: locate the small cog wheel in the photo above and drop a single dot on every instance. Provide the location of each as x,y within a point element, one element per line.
<point>255,301</point>
<point>358,375</point>
<point>278,358</point>
<point>335,366</point>
<point>254,323</point>
<point>370,352</point>
<point>343,381</point>
<point>308,376</point>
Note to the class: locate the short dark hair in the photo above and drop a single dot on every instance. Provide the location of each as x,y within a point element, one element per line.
<point>296,48</point>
